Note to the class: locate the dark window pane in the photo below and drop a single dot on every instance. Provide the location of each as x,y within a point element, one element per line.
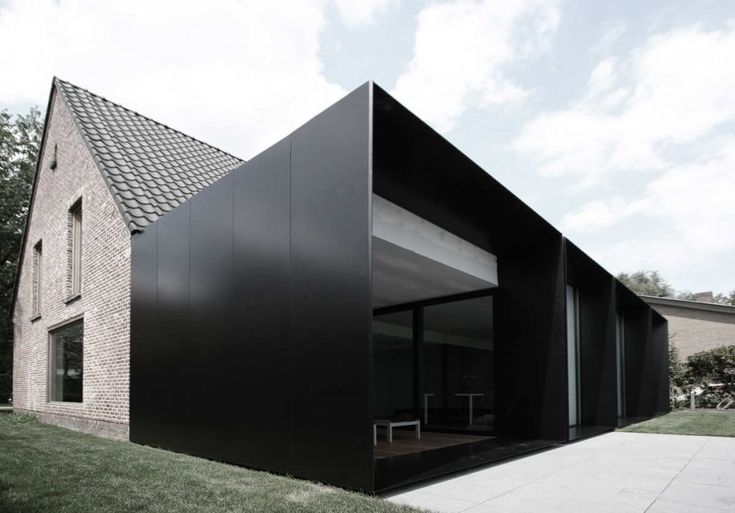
<point>67,353</point>
<point>458,365</point>
<point>393,365</point>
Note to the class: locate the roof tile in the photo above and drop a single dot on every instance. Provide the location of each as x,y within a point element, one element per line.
<point>149,167</point>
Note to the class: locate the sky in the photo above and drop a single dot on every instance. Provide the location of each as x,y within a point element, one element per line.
<point>614,120</point>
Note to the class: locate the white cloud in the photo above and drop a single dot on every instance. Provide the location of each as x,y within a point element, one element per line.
<point>675,90</point>
<point>462,51</point>
<point>362,12</point>
<point>612,33</point>
<point>693,201</point>
<point>653,133</point>
<point>238,74</point>
<point>601,214</point>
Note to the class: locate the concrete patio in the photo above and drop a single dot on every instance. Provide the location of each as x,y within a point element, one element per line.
<point>615,472</point>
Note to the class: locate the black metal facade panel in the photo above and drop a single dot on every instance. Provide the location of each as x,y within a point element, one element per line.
<point>637,356</point>
<point>530,345</point>
<point>261,355</point>
<point>648,390</point>
<point>212,328</point>
<point>252,311</point>
<point>144,352</point>
<point>660,341</point>
<point>597,369</point>
<point>331,306</point>
<point>172,369</point>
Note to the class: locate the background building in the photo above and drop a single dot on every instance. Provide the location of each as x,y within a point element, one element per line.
<point>696,326</point>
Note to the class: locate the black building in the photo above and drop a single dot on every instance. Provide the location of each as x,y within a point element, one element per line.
<point>363,270</point>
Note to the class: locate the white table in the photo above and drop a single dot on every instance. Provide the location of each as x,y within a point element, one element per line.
<point>471,398</point>
<point>390,424</point>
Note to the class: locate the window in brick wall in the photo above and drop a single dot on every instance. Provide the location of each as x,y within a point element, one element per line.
<point>75,253</point>
<point>36,277</point>
<point>66,363</point>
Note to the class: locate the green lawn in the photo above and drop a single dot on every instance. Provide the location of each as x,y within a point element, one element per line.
<point>689,422</point>
<point>50,469</point>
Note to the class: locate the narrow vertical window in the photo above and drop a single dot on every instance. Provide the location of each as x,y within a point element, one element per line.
<point>67,363</point>
<point>620,360</point>
<point>76,249</point>
<point>36,276</point>
<point>573,354</point>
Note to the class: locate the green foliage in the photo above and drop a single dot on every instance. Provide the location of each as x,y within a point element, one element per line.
<point>677,370</point>
<point>647,283</point>
<point>713,366</point>
<point>651,283</point>
<point>19,142</point>
<point>713,371</point>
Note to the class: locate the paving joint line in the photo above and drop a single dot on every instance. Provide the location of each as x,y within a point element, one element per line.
<point>706,441</point>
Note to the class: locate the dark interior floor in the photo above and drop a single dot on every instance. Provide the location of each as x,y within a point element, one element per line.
<point>580,432</point>
<point>405,442</point>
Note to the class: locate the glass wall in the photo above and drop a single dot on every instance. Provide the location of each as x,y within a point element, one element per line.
<point>67,351</point>
<point>433,361</point>
<point>458,365</point>
<point>393,373</point>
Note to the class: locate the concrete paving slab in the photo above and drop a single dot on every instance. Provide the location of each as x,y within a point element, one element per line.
<point>615,472</point>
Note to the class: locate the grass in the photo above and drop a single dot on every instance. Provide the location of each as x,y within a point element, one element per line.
<point>689,422</point>
<point>45,468</point>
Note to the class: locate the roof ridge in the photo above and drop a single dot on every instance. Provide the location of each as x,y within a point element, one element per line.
<point>66,82</point>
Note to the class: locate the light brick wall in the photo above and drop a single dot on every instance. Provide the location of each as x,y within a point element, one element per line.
<point>692,331</point>
<point>105,298</point>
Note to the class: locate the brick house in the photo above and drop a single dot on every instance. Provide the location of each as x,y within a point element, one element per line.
<point>696,326</point>
<point>104,172</point>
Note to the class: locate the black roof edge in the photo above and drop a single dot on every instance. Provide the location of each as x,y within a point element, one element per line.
<point>510,193</point>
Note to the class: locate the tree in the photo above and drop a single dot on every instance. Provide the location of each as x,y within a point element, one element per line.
<point>726,299</point>
<point>20,138</point>
<point>647,283</point>
<point>677,370</point>
<point>714,366</point>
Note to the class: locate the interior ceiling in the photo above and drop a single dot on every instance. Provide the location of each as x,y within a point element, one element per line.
<point>402,276</point>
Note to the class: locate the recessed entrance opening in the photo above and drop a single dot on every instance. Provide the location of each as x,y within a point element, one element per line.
<point>434,362</point>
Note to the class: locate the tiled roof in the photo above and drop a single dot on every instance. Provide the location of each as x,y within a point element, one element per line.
<point>149,167</point>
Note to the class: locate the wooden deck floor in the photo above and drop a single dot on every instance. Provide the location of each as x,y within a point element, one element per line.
<point>405,443</point>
